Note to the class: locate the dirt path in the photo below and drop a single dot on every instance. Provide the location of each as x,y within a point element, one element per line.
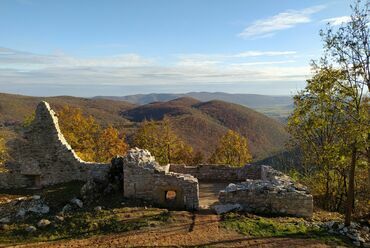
<point>189,230</point>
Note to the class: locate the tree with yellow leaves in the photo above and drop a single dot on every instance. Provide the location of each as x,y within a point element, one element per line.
<point>3,151</point>
<point>88,139</point>
<point>159,138</point>
<point>232,149</point>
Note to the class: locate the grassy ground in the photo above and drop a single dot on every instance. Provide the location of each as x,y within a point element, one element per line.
<point>81,223</point>
<point>266,227</point>
<point>124,222</point>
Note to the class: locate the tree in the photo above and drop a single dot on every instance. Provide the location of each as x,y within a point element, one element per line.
<point>232,149</point>
<point>3,151</point>
<point>110,144</point>
<point>348,48</point>
<point>89,140</point>
<point>322,131</point>
<point>159,138</point>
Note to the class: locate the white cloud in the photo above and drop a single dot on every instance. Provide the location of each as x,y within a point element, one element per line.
<point>336,21</point>
<point>269,26</point>
<point>132,69</point>
<point>15,59</point>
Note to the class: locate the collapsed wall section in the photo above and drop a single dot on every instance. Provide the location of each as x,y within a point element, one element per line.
<point>44,157</point>
<point>143,178</point>
<point>273,193</point>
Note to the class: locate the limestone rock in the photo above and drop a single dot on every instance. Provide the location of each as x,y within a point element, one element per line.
<point>225,208</point>
<point>43,223</point>
<point>67,208</point>
<point>77,202</point>
<point>98,208</point>
<point>31,229</point>
<point>5,220</point>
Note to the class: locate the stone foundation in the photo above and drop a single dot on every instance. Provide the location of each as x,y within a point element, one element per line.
<point>274,193</point>
<point>143,178</point>
<point>219,173</point>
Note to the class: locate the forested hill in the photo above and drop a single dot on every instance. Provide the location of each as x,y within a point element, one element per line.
<point>278,107</point>
<point>198,123</point>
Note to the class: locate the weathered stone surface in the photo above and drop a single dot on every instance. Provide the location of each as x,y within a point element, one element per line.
<point>77,202</point>
<point>31,229</point>
<point>43,223</point>
<point>225,208</point>
<point>146,179</point>
<point>273,193</point>
<point>219,173</point>
<point>44,157</point>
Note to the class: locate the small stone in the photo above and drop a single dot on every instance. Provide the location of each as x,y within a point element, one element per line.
<point>4,227</point>
<point>98,208</point>
<point>5,220</point>
<point>31,229</point>
<point>225,208</point>
<point>77,202</point>
<point>66,208</point>
<point>356,243</point>
<point>21,213</point>
<point>36,197</point>
<point>43,223</point>
<point>366,229</point>
<point>40,209</point>
<point>59,218</point>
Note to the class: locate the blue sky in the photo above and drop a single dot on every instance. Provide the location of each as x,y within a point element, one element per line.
<point>88,48</point>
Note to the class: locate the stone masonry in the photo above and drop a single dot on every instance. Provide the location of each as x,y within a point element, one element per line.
<point>273,193</point>
<point>44,157</point>
<point>144,178</point>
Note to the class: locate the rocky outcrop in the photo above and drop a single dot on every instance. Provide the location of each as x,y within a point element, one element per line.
<point>144,178</point>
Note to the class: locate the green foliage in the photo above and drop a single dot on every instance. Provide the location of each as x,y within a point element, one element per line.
<point>232,149</point>
<point>90,141</point>
<point>28,120</point>
<point>159,138</point>
<point>321,127</point>
<point>3,152</point>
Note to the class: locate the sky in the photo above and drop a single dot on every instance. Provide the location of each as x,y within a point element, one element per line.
<point>120,47</point>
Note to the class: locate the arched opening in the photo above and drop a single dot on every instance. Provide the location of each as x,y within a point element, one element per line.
<point>170,196</point>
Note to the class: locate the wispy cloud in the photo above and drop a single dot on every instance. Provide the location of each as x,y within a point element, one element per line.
<point>336,21</point>
<point>269,26</point>
<point>13,58</point>
<point>132,69</point>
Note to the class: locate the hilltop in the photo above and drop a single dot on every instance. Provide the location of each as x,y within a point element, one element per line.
<point>199,123</point>
<point>278,107</point>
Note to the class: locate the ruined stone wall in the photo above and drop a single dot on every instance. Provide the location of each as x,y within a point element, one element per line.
<point>219,173</point>
<point>273,193</point>
<point>143,178</point>
<point>44,155</point>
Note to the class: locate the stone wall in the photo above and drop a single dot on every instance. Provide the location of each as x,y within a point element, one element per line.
<point>44,157</point>
<point>219,173</point>
<point>273,193</point>
<point>144,178</point>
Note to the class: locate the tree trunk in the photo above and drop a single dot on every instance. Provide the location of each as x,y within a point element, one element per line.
<point>351,186</point>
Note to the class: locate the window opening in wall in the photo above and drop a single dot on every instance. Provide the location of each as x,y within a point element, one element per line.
<point>170,195</point>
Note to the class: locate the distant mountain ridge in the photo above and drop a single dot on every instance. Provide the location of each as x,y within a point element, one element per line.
<point>200,124</point>
<point>273,106</point>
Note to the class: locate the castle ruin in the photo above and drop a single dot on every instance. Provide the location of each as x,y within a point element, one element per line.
<point>43,157</point>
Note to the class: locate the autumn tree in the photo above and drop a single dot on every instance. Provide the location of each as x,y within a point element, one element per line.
<point>348,49</point>
<point>109,144</point>
<point>232,149</point>
<point>160,139</point>
<point>89,140</point>
<point>322,131</point>
<point>3,151</point>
